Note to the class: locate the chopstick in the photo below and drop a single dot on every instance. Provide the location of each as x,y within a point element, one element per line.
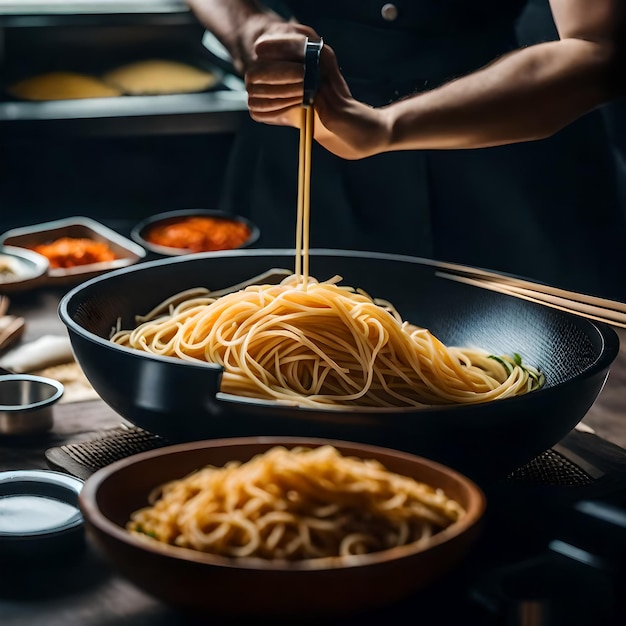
<point>307,121</point>
<point>11,329</point>
<point>592,307</point>
<point>310,83</point>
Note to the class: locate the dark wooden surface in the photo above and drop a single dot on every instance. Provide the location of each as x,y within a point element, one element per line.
<point>80,588</point>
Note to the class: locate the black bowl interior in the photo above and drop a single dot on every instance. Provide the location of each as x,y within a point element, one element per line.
<point>181,401</point>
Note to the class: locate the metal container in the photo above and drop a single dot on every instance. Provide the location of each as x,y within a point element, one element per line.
<point>93,37</point>
<point>126,251</point>
<point>140,232</point>
<point>26,403</point>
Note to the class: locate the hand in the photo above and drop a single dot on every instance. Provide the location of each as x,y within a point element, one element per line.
<point>274,81</point>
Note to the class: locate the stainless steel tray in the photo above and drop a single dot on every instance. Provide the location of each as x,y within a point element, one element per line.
<point>93,44</point>
<point>127,251</point>
<point>31,8</point>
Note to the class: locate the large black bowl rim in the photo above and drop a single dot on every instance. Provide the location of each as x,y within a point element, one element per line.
<point>608,352</point>
<point>93,515</point>
<point>139,229</point>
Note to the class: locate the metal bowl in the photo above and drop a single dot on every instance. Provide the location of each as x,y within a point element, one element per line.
<point>140,232</point>
<point>182,401</point>
<point>26,403</point>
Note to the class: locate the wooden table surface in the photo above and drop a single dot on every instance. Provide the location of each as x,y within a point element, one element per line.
<point>80,589</point>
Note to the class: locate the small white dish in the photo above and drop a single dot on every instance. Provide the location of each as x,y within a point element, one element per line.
<point>21,269</point>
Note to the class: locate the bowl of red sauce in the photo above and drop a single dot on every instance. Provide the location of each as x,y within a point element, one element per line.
<point>187,231</point>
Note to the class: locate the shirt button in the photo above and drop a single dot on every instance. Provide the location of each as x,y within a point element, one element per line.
<point>389,12</point>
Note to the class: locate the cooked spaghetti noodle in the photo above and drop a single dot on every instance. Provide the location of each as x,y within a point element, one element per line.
<point>318,344</point>
<point>294,504</point>
<point>324,346</point>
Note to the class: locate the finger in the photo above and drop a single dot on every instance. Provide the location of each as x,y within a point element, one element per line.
<point>262,90</point>
<point>276,48</point>
<point>276,73</point>
<point>289,116</point>
<point>331,74</point>
<point>262,105</point>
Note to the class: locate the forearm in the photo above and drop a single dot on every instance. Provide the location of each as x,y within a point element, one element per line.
<point>236,23</point>
<point>529,94</point>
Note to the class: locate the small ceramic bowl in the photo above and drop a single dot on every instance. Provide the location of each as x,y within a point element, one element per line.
<point>194,230</point>
<point>21,269</point>
<point>39,516</point>
<point>26,403</point>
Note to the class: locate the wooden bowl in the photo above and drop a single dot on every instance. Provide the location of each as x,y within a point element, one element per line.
<point>198,582</point>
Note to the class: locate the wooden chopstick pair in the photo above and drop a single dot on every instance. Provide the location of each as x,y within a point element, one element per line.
<point>592,307</point>
<point>312,52</point>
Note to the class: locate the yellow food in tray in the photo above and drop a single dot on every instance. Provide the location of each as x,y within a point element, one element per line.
<point>62,86</point>
<point>156,76</point>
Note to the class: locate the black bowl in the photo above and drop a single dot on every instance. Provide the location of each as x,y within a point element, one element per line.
<point>181,401</point>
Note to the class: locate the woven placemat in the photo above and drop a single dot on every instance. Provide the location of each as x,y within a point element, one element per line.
<point>552,468</point>
<point>581,460</point>
<point>83,458</point>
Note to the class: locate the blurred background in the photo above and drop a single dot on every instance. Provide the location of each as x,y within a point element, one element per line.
<point>127,158</point>
<point>113,158</point>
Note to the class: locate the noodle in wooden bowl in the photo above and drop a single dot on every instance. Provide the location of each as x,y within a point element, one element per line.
<point>115,500</point>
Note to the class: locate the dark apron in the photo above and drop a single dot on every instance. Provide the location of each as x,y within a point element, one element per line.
<point>547,210</point>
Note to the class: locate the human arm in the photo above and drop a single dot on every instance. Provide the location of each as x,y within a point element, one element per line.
<point>528,94</point>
